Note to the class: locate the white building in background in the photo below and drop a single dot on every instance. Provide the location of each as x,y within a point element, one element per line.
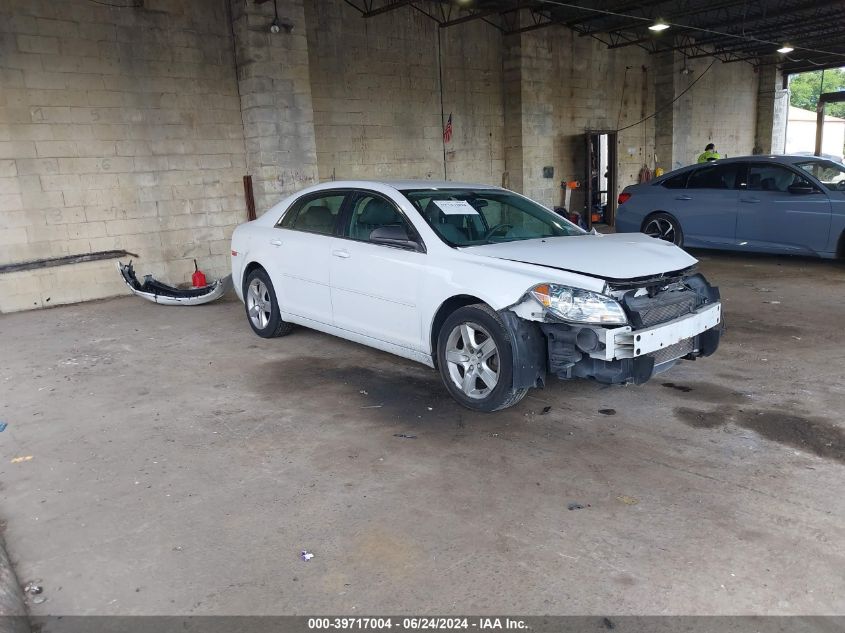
<point>801,133</point>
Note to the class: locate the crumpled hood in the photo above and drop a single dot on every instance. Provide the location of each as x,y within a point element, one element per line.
<point>613,256</point>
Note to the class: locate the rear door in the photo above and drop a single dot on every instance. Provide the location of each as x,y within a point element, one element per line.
<point>375,287</point>
<point>707,207</point>
<point>300,267</point>
<point>774,219</point>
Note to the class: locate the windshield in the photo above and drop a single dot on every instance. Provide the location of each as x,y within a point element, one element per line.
<point>470,217</point>
<point>831,175</point>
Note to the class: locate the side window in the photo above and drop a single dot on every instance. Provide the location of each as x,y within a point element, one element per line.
<point>371,212</point>
<point>774,178</point>
<point>715,177</point>
<point>676,182</point>
<point>314,214</point>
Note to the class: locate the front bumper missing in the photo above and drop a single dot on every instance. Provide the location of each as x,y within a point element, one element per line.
<point>624,342</point>
<point>609,355</point>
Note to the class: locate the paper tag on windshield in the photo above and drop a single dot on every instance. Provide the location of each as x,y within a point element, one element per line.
<point>456,207</point>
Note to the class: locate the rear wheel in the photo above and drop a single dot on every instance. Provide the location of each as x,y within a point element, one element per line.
<point>663,226</point>
<point>262,309</point>
<point>476,360</point>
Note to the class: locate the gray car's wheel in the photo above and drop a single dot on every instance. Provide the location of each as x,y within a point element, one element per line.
<point>262,309</point>
<point>475,359</point>
<point>663,226</point>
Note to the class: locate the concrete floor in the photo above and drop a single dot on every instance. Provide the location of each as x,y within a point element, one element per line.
<point>180,464</point>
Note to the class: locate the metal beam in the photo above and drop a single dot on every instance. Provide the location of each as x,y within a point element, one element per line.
<point>483,13</point>
<point>671,17</point>
<point>796,28</point>
<point>617,9</point>
<point>390,6</point>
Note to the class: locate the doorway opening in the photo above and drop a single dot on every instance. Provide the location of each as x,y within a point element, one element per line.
<point>600,199</point>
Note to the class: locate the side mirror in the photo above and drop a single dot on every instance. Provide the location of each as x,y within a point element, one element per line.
<point>801,189</point>
<point>394,235</point>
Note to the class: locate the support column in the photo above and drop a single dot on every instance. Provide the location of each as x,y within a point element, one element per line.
<point>772,111</point>
<point>275,92</point>
<point>664,120</point>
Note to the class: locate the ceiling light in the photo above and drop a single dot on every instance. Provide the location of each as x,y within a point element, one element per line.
<point>660,25</point>
<point>785,49</point>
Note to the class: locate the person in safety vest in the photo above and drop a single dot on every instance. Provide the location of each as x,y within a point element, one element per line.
<point>709,154</point>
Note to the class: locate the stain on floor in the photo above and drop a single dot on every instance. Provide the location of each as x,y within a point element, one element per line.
<point>814,435</point>
<point>707,392</point>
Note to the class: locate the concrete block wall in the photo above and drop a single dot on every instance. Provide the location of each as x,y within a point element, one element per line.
<point>570,85</point>
<point>720,108</point>
<point>275,96</point>
<point>131,128</point>
<point>119,129</point>
<point>376,88</point>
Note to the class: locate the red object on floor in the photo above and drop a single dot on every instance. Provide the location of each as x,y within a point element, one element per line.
<point>198,278</point>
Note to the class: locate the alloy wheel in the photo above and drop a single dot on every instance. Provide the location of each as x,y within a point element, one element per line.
<point>661,228</point>
<point>259,304</point>
<point>473,360</point>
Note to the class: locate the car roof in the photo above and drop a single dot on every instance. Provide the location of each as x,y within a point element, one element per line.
<point>398,184</point>
<point>435,184</point>
<point>766,158</point>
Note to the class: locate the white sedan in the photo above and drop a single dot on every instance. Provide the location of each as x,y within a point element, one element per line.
<point>489,287</point>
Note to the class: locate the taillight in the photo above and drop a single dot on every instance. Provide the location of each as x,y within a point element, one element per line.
<point>623,198</point>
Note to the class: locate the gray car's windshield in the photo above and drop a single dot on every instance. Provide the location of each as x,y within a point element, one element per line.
<point>830,174</point>
<point>469,217</point>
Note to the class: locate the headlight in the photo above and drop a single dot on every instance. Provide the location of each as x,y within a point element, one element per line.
<point>579,306</point>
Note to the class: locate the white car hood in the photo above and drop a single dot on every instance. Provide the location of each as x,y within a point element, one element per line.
<point>611,256</point>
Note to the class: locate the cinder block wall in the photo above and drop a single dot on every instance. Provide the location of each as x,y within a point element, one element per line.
<point>131,128</point>
<point>119,129</point>
<point>375,86</point>
<point>376,89</point>
<point>573,84</point>
<point>721,108</point>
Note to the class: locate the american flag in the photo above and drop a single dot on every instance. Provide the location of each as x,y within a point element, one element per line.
<point>447,132</point>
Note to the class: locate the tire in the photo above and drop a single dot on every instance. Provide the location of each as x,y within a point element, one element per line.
<point>663,226</point>
<point>463,345</point>
<point>262,308</point>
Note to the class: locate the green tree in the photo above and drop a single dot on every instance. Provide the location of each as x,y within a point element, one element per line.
<point>805,88</point>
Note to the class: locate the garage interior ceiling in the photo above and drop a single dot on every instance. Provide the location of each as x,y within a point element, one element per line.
<point>729,30</point>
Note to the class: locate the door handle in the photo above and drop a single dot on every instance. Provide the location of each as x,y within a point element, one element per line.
<point>340,253</point>
<point>751,200</point>
<point>276,242</point>
<point>683,197</point>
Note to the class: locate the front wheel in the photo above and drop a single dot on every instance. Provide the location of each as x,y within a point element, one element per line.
<point>262,309</point>
<point>664,227</point>
<point>475,359</point>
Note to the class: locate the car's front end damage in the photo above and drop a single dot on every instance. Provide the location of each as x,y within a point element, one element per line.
<point>627,333</point>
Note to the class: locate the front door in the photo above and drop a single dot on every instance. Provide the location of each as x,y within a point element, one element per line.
<point>375,286</point>
<point>301,268</point>
<point>773,219</point>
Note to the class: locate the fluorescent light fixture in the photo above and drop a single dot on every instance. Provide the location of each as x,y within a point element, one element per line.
<point>785,49</point>
<point>660,25</point>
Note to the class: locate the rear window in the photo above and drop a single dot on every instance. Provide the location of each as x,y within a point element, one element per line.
<point>316,213</point>
<point>676,182</point>
<point>714,177</point>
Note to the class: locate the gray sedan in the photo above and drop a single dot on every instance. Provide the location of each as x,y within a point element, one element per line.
<point>765,204</point>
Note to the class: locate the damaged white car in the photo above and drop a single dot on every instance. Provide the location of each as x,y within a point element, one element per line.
<point>489,287</point>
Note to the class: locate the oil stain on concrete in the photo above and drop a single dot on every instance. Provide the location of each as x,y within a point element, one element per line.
<point>815,435</point>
